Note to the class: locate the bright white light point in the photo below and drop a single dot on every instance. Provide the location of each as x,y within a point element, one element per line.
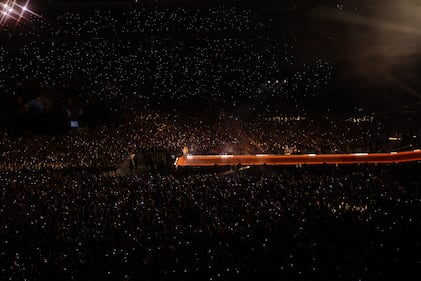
<point>24,8</point>
<point>226,156</point>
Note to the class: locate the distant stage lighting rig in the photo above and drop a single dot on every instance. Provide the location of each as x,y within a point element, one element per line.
<point>14,11</point>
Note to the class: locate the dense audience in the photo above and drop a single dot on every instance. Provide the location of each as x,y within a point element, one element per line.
<point>106,147</point>
<point>123,76</point>
<point>102,63</point>
<point>348,223</point>
<point>137,19</point>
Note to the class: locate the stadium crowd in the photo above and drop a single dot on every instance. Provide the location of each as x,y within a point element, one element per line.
<point>89,57</point>
<point>136,19</point>
<point>113,67</point>
<point>106,147</point>
<point>347,223</point>
<point>62,217</point>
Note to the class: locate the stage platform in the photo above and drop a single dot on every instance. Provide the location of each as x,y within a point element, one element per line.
<point>304,159</point>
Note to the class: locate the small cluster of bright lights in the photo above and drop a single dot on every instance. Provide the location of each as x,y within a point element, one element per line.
<point>13,10</point>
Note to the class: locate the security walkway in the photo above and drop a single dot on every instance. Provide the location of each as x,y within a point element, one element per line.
<point>304,159</point>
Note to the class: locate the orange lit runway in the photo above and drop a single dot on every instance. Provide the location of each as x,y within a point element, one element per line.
<point>309,159</point>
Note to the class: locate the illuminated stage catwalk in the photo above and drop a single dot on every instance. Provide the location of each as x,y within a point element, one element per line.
<point>304,159</point>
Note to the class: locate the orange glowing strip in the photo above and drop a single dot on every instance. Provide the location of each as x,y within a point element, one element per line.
<point>308,159</point>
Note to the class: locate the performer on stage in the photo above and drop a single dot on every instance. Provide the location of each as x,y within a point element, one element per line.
<point>185,151</point>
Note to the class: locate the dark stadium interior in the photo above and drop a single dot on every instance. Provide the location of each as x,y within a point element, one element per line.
<point>210,140</point>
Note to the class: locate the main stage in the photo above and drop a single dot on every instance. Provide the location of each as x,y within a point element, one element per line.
<point>303,159</point>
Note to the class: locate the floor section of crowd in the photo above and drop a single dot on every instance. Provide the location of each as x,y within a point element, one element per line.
<point>347,223</point>
<point>102,198</point>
